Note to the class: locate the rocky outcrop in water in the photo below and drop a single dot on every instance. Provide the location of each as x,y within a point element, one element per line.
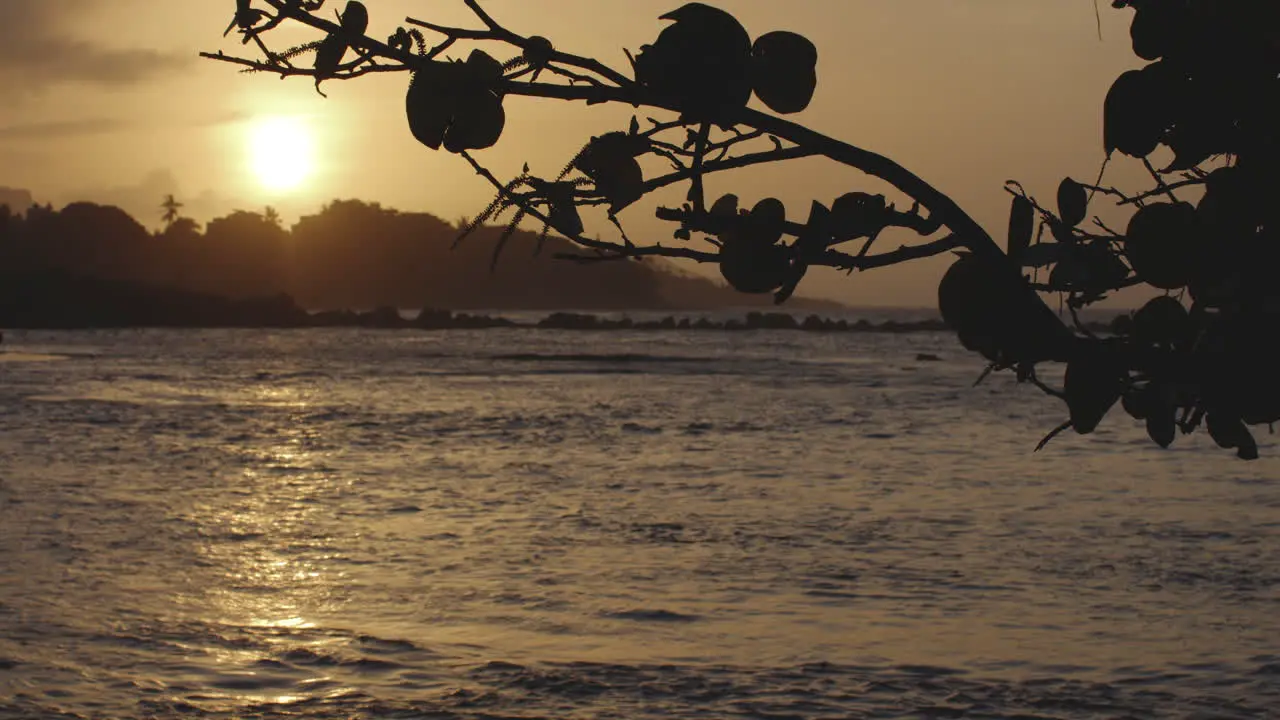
<point>56,300</point>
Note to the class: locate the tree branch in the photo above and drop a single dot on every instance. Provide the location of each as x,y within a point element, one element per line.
<point>352,70</point>
<point>940,207</point>
<point>842,261</point>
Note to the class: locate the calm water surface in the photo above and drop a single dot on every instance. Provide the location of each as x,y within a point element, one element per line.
<point>515,523</point>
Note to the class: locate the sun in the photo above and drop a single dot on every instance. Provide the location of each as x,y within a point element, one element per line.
<point>281,152</point>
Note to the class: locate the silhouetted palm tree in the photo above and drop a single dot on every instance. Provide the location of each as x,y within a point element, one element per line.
<point>271,215</point>
<point>171,206</point>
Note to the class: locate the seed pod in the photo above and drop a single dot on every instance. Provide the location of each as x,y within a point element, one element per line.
<point>538,51</point>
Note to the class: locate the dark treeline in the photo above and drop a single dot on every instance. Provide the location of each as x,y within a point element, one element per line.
<point>351,254</point>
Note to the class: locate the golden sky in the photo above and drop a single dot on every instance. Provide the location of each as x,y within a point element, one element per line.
<point>106,100</point>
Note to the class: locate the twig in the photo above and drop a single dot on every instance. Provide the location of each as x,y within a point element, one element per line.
<point>353,72</point>
<point>1045,388</point>
<point>841,261</point>
<point>1127,283</point>
<point>581,239</point>
<point>484,16</point>
<point>705,222</point>
<point>1164,189</point>
<point>1155,174</point>
<point>1052,434</point>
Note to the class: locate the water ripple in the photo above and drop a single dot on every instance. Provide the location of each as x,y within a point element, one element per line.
<point>337,524</point>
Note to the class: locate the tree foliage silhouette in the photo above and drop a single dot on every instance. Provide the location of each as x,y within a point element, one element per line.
<point>348,255</point>
<point>1197,355</point>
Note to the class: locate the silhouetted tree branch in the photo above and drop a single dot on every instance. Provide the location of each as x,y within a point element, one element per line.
<point>1212,62</point>
<point>615,87</point>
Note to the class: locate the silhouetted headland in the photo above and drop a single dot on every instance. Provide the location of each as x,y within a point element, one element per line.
<point>350,254</point>
<point>94,266</point>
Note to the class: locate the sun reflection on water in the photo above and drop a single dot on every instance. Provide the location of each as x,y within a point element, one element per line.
<point>266,563</point>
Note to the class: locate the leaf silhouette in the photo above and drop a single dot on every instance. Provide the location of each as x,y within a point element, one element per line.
<point>702,62</point>
<point>752,268</point>
<point>1162,320</point>
<point>454,105</point>
<point>610,162</point>
<point>1094,382</point>
<point>726,206</point>
<point>354,21</point>
<point>784,71</point>
<point>765,222</point>
<point>1162,426</point>
<point>430,103</point>
<point>1134,114</point>
<point>1073,202</point>
<point>855,215</point>
<point>1043,254</point>
<point>1162,244</point>
<point>1021,226</point>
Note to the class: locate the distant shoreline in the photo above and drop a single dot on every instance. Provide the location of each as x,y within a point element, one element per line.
<point>433,319</point>
<point>437,320</point>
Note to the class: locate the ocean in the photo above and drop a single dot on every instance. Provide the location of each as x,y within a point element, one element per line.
<point>516,523</point>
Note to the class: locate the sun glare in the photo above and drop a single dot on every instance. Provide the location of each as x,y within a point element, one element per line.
<point>281,152</point>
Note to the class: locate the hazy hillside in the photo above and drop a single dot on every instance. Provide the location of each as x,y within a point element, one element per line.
<point>354,254</point>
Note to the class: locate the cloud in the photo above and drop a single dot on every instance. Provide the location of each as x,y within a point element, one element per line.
<point>142,199</point>
<point>37,49</point>
<point>226,118</point>
<point>59,129</point>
